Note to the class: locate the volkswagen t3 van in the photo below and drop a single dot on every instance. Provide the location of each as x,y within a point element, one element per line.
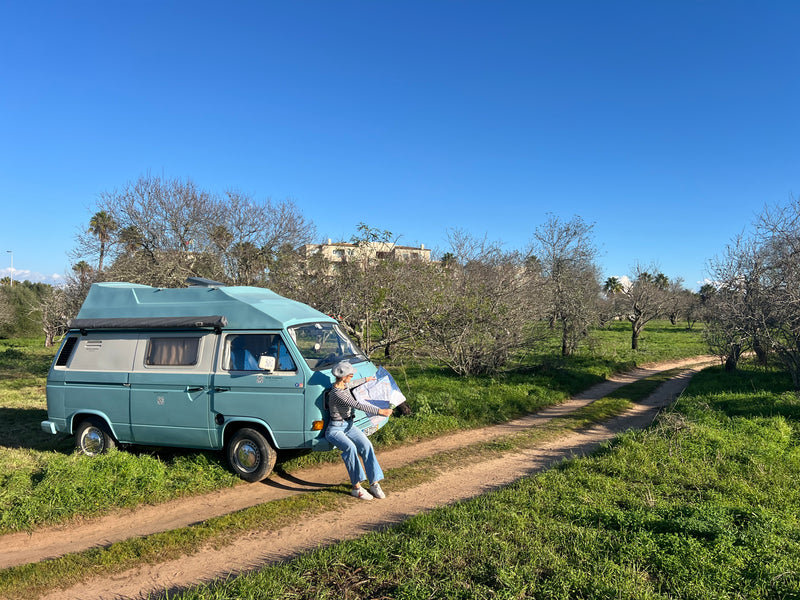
<point>239,369</point>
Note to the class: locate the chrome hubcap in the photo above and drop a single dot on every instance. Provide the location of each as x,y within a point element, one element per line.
<point>92,441</point>
<point>247,455</point>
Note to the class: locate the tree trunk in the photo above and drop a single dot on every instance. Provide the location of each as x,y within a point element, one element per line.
<point>732,360</point>
<point>635,331</point>
<point>760,350</point>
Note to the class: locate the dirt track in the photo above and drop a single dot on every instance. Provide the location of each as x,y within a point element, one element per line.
<point>261,548</point>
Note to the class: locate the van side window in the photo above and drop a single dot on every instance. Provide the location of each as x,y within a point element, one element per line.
<point>244,350</point>
<point>172,351</point>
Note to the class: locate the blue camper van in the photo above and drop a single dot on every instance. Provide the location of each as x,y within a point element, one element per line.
<point>239,369</point>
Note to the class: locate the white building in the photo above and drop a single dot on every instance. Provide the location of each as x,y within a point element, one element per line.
<point>369,251</point>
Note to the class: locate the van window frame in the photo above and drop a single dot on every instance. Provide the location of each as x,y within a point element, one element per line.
<point>226,361</point>
<point>179,336</point>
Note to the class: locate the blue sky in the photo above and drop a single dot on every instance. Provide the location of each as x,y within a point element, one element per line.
<point>669,125</point>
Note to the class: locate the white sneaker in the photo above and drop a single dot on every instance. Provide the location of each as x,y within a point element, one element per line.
<point>376,491</point>
<point>361,493</point>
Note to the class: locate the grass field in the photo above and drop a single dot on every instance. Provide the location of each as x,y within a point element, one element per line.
<point>42,481</point>
<point>34,579</point>
<point>702,505</point>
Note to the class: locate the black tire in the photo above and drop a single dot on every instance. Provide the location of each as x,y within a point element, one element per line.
<point>92,437</point>
<point>250,455</point>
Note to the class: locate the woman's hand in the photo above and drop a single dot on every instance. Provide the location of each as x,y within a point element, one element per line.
<point>385,412</point>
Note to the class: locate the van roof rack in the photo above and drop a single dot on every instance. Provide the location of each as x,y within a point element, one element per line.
<point>203,282</point>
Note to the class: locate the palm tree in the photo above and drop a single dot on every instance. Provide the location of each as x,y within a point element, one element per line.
<point>707,291</point>
<point>102,225</point>
<point>612,286</point>
<point>448,259</point>
<point>83,270</point>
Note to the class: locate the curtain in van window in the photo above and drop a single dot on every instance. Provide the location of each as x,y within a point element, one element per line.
<point>172,351</point>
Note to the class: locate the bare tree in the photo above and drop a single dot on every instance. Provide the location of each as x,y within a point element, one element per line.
<point>249,235</point>
<point>764,272</point>
<point>363,290</point>
<point>482,314</point>
<point>55,314</point>
<point>676,299</point>
<point>643,300</point>
<point>566,256</point>
<point>693,308</point>
<point>165,230</point>
<point>736,305</point>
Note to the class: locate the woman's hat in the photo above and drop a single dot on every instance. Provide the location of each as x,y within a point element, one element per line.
<point>342,369</point>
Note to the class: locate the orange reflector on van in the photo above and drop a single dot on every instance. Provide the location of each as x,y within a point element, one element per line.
<point>317,425</point>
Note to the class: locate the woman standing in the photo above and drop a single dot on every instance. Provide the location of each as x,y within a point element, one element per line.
<point>350,439</point>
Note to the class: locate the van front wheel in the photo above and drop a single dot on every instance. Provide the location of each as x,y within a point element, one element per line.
<point>92,437</point>
<point>250,455</point>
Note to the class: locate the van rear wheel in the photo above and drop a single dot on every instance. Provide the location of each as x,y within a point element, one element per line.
<point>92,437</point>
<point>250,455</point>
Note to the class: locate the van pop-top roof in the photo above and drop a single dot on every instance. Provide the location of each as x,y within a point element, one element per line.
<point>134,306</point>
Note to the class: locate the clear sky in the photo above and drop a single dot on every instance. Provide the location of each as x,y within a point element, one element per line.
<point>669,125</point>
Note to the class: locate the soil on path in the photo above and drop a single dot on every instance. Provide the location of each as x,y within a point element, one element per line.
<point>257,549</point>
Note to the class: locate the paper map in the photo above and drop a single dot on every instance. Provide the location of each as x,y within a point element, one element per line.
<point>382,391</point>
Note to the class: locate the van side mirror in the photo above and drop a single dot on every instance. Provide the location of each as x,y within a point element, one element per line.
<point>266,363</point>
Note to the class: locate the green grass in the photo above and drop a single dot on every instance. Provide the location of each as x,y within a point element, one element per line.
<point>32,579</point>
<point>42,482</point>
<point>702,505</point>
<point>608,350</point>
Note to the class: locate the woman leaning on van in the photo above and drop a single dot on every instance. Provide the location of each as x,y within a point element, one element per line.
<point>350,439</point>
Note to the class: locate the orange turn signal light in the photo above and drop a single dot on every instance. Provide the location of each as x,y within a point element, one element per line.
<point>317,425</point>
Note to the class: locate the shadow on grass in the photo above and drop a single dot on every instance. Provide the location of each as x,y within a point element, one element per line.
<point>20,428</point>
<point>750,391</point>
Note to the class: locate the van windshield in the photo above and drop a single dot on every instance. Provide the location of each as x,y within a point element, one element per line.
<point>322,345</point>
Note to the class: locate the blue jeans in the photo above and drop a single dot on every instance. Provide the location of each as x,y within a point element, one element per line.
<point>353,443</point>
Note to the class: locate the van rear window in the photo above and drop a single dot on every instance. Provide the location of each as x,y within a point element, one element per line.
<point>172,351</point>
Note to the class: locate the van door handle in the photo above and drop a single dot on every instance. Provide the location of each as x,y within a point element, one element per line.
<point>195,389</point>
<point>222,389</point>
